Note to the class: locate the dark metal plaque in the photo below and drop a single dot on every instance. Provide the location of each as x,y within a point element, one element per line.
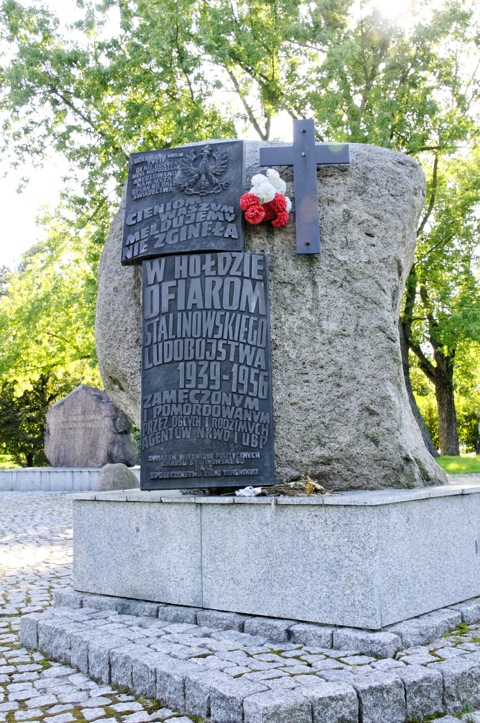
<point>206,372</point>
<point>184,199</point>
<point>304,156</point>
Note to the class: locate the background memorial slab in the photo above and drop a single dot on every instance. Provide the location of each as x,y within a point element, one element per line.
<point>85,429</point>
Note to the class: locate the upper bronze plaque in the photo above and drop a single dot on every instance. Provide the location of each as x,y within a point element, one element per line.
<point>184,199</point>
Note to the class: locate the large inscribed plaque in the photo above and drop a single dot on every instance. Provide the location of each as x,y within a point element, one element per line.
<point>184,199</point>
<point>206,382</point>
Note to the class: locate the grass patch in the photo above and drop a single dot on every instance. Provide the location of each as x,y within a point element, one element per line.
<point>460,465</point>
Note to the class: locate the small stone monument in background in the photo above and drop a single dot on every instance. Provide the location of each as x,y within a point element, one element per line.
<point>85,429</point>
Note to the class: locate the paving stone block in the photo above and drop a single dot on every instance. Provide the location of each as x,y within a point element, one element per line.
<point>138,608</point>
<point>255,663</point>
<point>141,717</point>
<point>282,683</point>
<point>144,675</point>
<point>99,659</point>
<point>40,701</point>
<point>29,630</point>
<point>426,628</point>
<point>58,709</point>
<point>236,671</point>
<point>331,702</point>
<point>313,635</point>
<point>226,699</point>
<point>469,610</point>
<point>277,706</point>
<point>129,707</point>
<point>230,639</point>
<point>265,675</point>
<point>221,620</point>
<point>54,637</point>
<point>473,718</point>
<point>179,629</point>
<point>8,707</point>
<point>380,645</point>
<point>170,680</point>
<point>121,664</point>
<point>79,651</point>
<point>358,660</point>
<point>198,688</point>
<point>97,701</point>
<point>277,630</point>
<point>67,599</point>
<point>387,664</point>
<point>382,698</point>
<point>239,657</point>
<point>100,602</point>
<point>423,690</point>
<point>211,662</point>
<point>29,715</point>
<point>178,614</point>
<point>62,718</point>
<point>332,676</point>
<point>461,683</point>
<point>46,631</point>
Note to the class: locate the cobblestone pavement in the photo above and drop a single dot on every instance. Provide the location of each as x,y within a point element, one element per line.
<point>35,560</point>
<point>229,666</point>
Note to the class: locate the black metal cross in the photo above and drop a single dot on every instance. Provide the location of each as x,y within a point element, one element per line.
<point>304,156</point>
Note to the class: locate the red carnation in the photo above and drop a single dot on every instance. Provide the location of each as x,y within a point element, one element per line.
<point>270,211</point>
<point>255,214</point>
<point>279,203</point>
<point>247,200</point>
<point>281,220</point>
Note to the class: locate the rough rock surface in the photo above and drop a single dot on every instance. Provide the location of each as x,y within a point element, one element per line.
<point>116,477</point>
<point>85,429</point>
<point>340,403</point>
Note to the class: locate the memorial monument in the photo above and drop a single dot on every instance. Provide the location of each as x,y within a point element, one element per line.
<point>340,406</point>
<point>367,555</point>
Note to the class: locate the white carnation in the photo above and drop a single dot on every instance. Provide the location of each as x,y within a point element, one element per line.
<point>289,204</point>
<point>274,178</point>
<point>259,179</point>
<point>264,192</point>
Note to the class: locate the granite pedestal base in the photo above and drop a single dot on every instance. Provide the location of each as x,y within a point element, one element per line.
<point>358,559</point>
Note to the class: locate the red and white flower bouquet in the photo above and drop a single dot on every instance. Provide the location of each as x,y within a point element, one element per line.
<point>266,200</point>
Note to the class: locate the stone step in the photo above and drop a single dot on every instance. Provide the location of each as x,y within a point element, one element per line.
<point>384,643</point>
<point>227,668</point>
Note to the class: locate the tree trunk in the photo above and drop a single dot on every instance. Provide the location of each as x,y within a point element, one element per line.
<point>29,457</point>
<point>413,404</point>
<point>444,393</point>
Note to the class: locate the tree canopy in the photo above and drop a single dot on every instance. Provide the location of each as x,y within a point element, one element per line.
<point>133,75</point>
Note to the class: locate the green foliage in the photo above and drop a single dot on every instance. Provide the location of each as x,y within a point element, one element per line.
<point>47,313</point>
<point>7,462</point>
<point>428,410</point>
<point>46,335</point>
<point>467,396</point>
<point>22,425</point>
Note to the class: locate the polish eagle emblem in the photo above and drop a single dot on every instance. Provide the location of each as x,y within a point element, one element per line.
<point>200,172</point>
